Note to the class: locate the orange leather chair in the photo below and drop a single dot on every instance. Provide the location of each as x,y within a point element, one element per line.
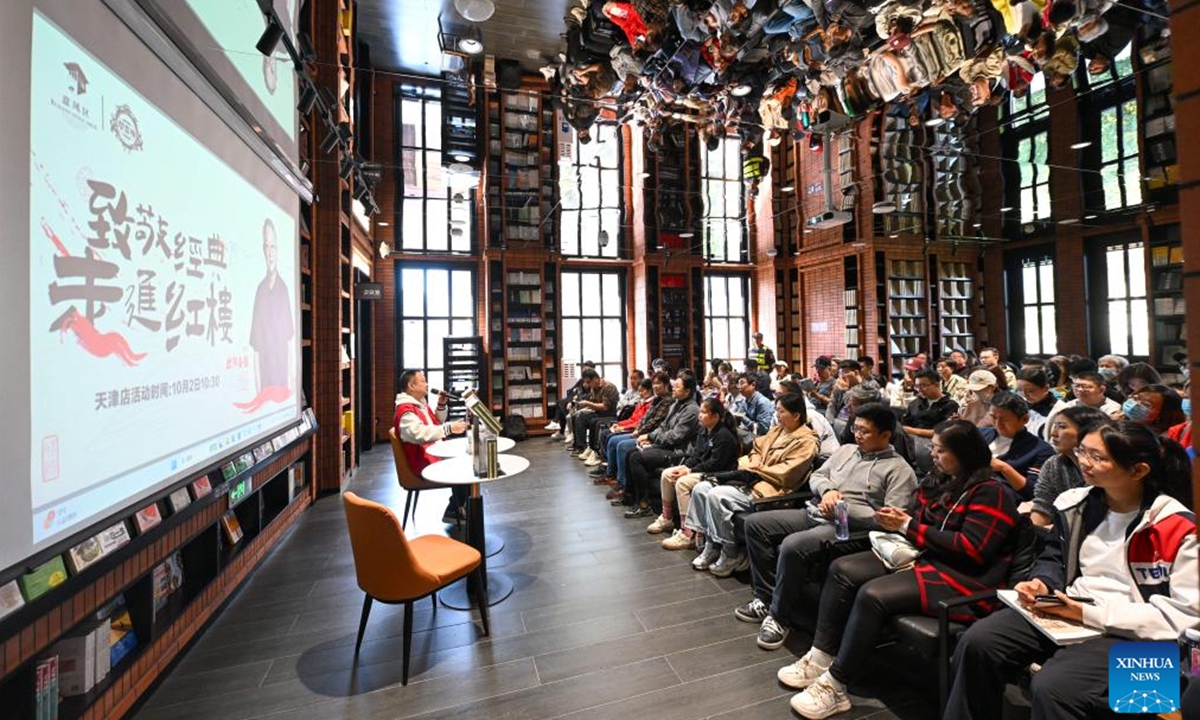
<point>409,480</point>
<point>393,569</point>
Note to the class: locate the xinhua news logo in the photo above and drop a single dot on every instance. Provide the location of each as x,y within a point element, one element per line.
<point>1143,677</point>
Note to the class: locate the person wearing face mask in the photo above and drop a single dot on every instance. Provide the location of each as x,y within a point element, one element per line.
<point>1157,406</point>
<point>1089,390</point>
<point>1135,377</point>
<point>1017,455</point>
<point>1034,385</point>
<point>1110,366</point>
<point>1182,433</point>
<point>982,386</point>
<point>1061,472</point>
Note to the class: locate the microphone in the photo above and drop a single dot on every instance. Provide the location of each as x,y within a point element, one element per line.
<point>452,396</point>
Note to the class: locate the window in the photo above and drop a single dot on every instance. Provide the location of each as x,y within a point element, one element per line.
<point>726,317</point>
<point>724,204</point>
<point>433,216</point>
<point>593,321</point>
<point>1111,123</point>
<point>1128,312</point>
<point>1025,137</point>
<point>590,190</point>
<point>1030,298</point>
<point>435,303</point>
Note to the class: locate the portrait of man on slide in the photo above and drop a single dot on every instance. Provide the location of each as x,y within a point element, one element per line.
<point>271,329</point>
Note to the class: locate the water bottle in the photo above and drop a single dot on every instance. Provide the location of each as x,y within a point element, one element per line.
<point>841,520</point>
<point>1189,642</point>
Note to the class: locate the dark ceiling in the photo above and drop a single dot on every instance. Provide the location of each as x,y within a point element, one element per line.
<point>402,34</point>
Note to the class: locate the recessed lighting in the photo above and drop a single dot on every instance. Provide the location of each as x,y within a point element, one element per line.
<point>1006,209</point>
<point>462,158</point>
<point>893,236</point>
<point>787,188</point>
<point>1089,217</point>
<point>381,223</point>
<point>470,46</point>
<point>741,90</point>
<point>883,207</point>
<point>1068,221</point>
<point>1081,145</point>
<point>934,121</point>
<point>686,234</point>
<point>978,225</point>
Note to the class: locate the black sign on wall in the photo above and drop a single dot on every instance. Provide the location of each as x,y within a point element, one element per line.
<point>369,291</point>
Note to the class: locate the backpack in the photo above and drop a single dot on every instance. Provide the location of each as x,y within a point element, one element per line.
<point>514,428</point>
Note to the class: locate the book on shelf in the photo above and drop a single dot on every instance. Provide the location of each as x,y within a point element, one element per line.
<point>168,578</point>
<point>10,598</point>
<point>232,527</point>
<point>45,700</point>
<point>43,578</point>
<point>1160,256</point>
<point>147,518</point>
<point>115,537</point>
<point>179,500</point>
<point>120,637</point>
<point>76,661</point>
<point>84,554</point>
<point>1062,632</point>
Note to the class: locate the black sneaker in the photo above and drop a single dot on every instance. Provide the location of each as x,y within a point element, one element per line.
<point>639,512</point>
<point>597,471</point>
<point>771,635</point>
<point>752,612</point>
<point>453,514</point>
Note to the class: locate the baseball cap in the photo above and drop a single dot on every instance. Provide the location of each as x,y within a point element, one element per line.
<point>823,361</point>
<point>981,379</point>
<point>914,364</point>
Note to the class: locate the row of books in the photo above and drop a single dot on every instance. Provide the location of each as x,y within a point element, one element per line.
<point>524,353</point>
<point>1163,255</point>
<point>526,410</point>
<point>956,326</point>
<point>908,288</point>
<point>525,335</point>
<point>1169,306</point>
<point>908,268</point>
<point>907,307</point>
<point>956,307</point>
<point>520,277</point>
<point>524,372</point>
<point>907,326</point>
<point>525,297</point>
<point>956,289</point>
<point>524,392</point>
<point>521,232</point>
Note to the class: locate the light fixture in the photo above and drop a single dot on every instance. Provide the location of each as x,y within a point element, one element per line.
<point>1068,221</point>
<point>1006,209</point>
<point>458,197</point>
<point>645,175</point>
<point>978,225</point>
<point>934,121</point>
<point>893,236</point>
<point>883,207</point>
<point>858,244</point>
<point>475,10</point>
<point>686,235</point>
<point>787,188</point>
<point>384,250</point>
<point>308,98</point>
<point>772,252</point>
<point>346,169</point>
<point>330,141</point>
<point>1089,217</point>
<point>741,90</point>
<point>603,238</point>
<point>470,45</point>
<point>462,158</point>
<point>382,223</point>
<point>1081,145</point>
<point>270,37</point>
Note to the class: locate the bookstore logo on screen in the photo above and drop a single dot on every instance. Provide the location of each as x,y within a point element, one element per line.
<point>1143,677</point>
<point>71,102</point>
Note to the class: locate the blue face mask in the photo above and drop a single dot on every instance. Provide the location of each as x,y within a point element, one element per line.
<point>1187,407</point>
<point>1135,411</point>
<point>1108,372</point>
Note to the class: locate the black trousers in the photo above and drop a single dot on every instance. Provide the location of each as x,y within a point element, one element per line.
<point>592,434</point>
<point>857,599</point>
<point>1073,681</point>
<point>560,411</point>
<point>642,472</point>
<point>781,544</point>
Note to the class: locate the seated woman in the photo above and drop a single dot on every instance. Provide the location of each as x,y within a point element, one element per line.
<point>1126,543</point>
<point>715,449</point>
<point>645,399</point>
<point>1061,472</point>
<point>963,522</point>
<point>778,463</point>
<point>1158,407</point>
<point>618,447</point>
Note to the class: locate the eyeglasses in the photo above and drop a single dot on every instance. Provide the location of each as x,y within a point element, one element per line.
<point>1093,458</point>
<point>1084,387</point>
<point>861,430</point>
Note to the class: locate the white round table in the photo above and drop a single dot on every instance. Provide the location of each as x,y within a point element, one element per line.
<point>461,471</point>
<point>457,447</point>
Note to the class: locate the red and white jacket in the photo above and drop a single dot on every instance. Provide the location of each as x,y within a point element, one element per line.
<point>418,426</point>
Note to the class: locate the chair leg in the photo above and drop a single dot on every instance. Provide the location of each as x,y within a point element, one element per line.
<point>362,622</point>
<point>416,499</point>
<point>408,613</point>
<point>481,598</point>
<point>407,504</point>
<point>433,599</point>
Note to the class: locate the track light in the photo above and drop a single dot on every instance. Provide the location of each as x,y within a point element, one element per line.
<point>304,48</point>
<point>270,37</point>
<point>347,167</point>
<point>361,191</point>
<point>372,173</point>
<point>308,98</point>
<point>344,132</point>
<point>330,141</point>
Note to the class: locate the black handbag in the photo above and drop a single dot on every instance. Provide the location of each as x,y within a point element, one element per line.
<point>737,478</point>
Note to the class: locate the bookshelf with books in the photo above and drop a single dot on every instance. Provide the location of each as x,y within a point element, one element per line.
<point>675,313</point>
<point>1167,301</point>
<point>525,342</point>
<point>495,354</point>
<point>671,184</point>
<point>907,331</point>
<point>520,167</point>
<point>955,294</point>
<point>851,298</point>
<point>465,370</point>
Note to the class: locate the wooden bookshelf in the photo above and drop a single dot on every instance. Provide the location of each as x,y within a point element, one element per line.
<point>907,322</point>
<point>1167,307</point>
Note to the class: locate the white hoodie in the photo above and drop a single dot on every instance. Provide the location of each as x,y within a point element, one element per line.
<point>413,429</point>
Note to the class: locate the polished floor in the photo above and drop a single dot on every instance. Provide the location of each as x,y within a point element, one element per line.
<point>603,624</point>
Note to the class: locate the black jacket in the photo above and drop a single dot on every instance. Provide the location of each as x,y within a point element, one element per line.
<point>713,450</point>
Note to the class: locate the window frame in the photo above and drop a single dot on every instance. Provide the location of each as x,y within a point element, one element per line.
<point>1102,296</point>
<point>1017,301</point>
<point>1115,91</point>
<point>1026,121</point>
<point>728,147</point>
<point>402,339</point>
<point>712,319</point>
<point>459,214</point>
<point>604,135</point>
<point>605,368</point>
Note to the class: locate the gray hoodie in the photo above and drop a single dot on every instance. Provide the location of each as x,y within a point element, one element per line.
<point>866,481</point>
<point>680,426</point>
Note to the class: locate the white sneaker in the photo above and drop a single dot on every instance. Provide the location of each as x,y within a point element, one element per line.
<point>679,541</point>
<point>553,426</point>
<point>661,524</point>
<point>729,564</point>
<point>712,551</point>
<point>800,674</point>
<point>586,455</point>
<point>820,700</point>
<point>557,435</point>
<point>594,461</point>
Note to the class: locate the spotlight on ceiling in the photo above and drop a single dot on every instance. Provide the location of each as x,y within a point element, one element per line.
<point>462,158</point>
<point>883,207</point>
<point>934,121</point>
<point>308,98</point>
<point>470,46</point>
<point>788,188</point>
<point>270,37</point>
<point>346,169</point>
<point>330,141</point>
<point>1081,145</point>
<point>686,235</point>
<point>741,90</point>
<point>1006,209</point>
<point>475,10</point>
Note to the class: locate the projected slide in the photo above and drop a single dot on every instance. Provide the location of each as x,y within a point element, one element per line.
<point>163,310</point>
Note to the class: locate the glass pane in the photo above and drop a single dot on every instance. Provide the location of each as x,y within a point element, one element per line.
<point>1110,148</point>
<point>737,301</point>
<point>1029,286</point>
<point>1139,327</point>
<point>413,235</point>
<point>589,187</point>
<point>1049,331</point>
<point>570,294</point>
<point>719,338</point>
<point>412,292</point>
<point>589,233</point>
<point>590,289</point>
<point>462,328</point>
<point>437,330</point>
<point>437,226</point>
<point>572,344</point>
<point>462,294</point>
<point>413,344</point>
<point>435,177</point>
<point>1133,179</point>
<point>437,293</point>
<point>1112,186</point>
<point>1046,272</point>
<point>569,229</point>
<point>411,124</point>
<point>717,302</point>
<point>436,378</point>
<point>1028,208</point>
<point>433,125</point>
<point>1124,62</point>
<point>1137,270</point>
<point>593,342</point>
<point>611,220</point>
<point>611,296</point>
<point>1115,265</point>
<point>739,338</point>
<point>1043,198</point>
<point>410,167</point>
<point>613,344</point>
<point>1033,337</point>
<point>1118,327</point>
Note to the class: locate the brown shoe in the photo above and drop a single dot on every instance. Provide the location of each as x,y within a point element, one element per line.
<point>616,495</point>
<point>610,482</point>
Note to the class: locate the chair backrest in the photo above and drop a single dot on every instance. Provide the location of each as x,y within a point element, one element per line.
<point>383,561</point>
<point>1028,541</point>
<point>409,480</point>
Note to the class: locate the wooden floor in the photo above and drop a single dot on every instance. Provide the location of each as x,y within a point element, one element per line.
<point>604,623</point>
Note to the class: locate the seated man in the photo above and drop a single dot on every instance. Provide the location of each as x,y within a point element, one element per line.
<point>1017,454</point>
<point>600,403</point>
<point>418,427</point>
<point>754,411</point>
<point>781,543</point>
<point>931,408</point>
<point>1090,389</point>
<point>661,448</point>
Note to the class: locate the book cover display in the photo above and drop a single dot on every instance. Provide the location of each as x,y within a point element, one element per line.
<point>147,518</point>
<point>44,577</point>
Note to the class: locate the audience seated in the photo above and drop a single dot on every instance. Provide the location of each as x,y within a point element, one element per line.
<point>1089,390</point>
<point>1061,472</point>
<point>1157,406</point>
<point>613,472</point>
<point>598,405</point>
<point>930,409</point>
<point>849,376</point>
<point>644,401</point>
<point>715,449</point>
<point>754,412</point>
<point>662,447</point>
<point>781,543</point>
<point>1135,512</point>
<point>1017,454</point>
<point>1034,385</point>
<point>962,522</point>
<point>778,463</point>
<point>981,385</point>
